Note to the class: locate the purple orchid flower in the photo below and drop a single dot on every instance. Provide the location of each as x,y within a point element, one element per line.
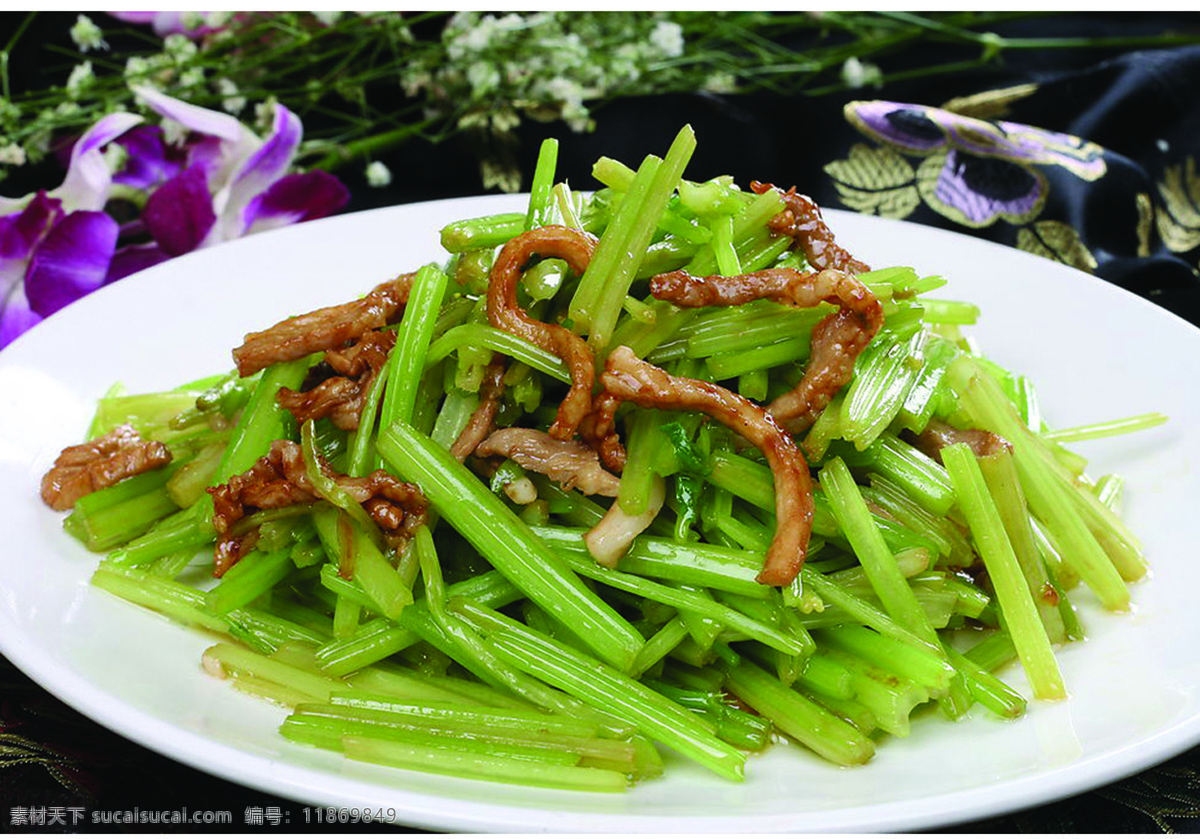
<point>49,258</point>
<point>222,182</point>
<point>233,183</point>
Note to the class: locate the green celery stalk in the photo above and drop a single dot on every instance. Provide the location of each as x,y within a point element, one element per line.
<point>681,599</point>
<point>179,602</point>
<point>327,732</point>
<point>877,560</point>
<point>489,337</point>
<point>722,244</point>
<point>230,659</point>
<point>888,699</point>
<point>446,761</point>
<point>253,576</point>
<point>408,357</point>
<point>658,645</point>
<point>484,232</point>
<point>117,524</point>
<point>637,478</point>
<point>692,563</point>
<point>1052,496</point>
<point>1012,591</point>
<point>605,283</point>
<point>613,246</point>
<point>1000,473</point>
<point>988,690</point>
<point>508,543</point>
<point>608,690</point>
<point>883,376</point>
<point>800,718</point>
<point>729,365</point>
<point>857,608</point>
<point>541,207</point>
<point>922,478</point>
<point>949,311</point>
<point>361,450</point>
<point>1111,428</point>
<point>380,639</point>
<point>385,591</point>
<point>262,421</point>
<point>919,404</point>
<point>919,664</point>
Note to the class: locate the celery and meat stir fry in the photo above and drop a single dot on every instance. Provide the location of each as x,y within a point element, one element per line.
<point>665,465</point>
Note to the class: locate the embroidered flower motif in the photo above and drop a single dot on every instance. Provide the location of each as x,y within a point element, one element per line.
<point>216,181</point>
<point>976,172</point>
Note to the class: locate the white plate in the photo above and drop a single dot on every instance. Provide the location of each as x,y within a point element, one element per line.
<point>1095,352</point>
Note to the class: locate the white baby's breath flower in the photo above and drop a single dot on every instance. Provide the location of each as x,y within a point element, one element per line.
<point>504,120</point>
<point>12,155</point>
<point>38,144</point>
<point>80,79</point>
<point>564,89</point>
<point>484,77</point>
<point>513,22</point>
<point>87,35</point>
<point>667,36</point>
<point>328,18</point>
<point>231,102</point>
<point>721,83</point>
<point>179,47</point>
<point>144,71</point>
<point>857,74</point>
<point>192,77</point>
<point>478,38</point>
<point>377,174</point>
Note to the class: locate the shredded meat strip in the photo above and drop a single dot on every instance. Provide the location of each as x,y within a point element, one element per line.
<point>938,435</point>
<point>483,419</point>
<point>568,462</point>
<point>81,470</point>
<point>576,248</point>
<point>330,328</point>
<point>627,378</point>
<point>801,220</point>
<point>341,397</point>
<point>836,341</point>
<point>279,479</point>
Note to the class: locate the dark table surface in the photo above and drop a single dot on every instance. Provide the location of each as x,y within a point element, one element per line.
<point>1135,111</point>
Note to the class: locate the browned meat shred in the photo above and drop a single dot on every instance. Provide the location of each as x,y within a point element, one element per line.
<point>329,328</point>
<point>836,341</point>
<point>568,462</point>
<point>938,435</point>
<point>576,248</point>
<point>279,479</point>
<point>81,470</point>
<point>483,418</point>
<point>801,220</point>
<point>341,397</point>
<point>627,378</point>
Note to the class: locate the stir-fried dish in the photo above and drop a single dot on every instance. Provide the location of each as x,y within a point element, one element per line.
<point>662,465</point>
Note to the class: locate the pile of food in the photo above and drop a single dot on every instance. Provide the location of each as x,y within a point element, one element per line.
<point>662,465</point>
